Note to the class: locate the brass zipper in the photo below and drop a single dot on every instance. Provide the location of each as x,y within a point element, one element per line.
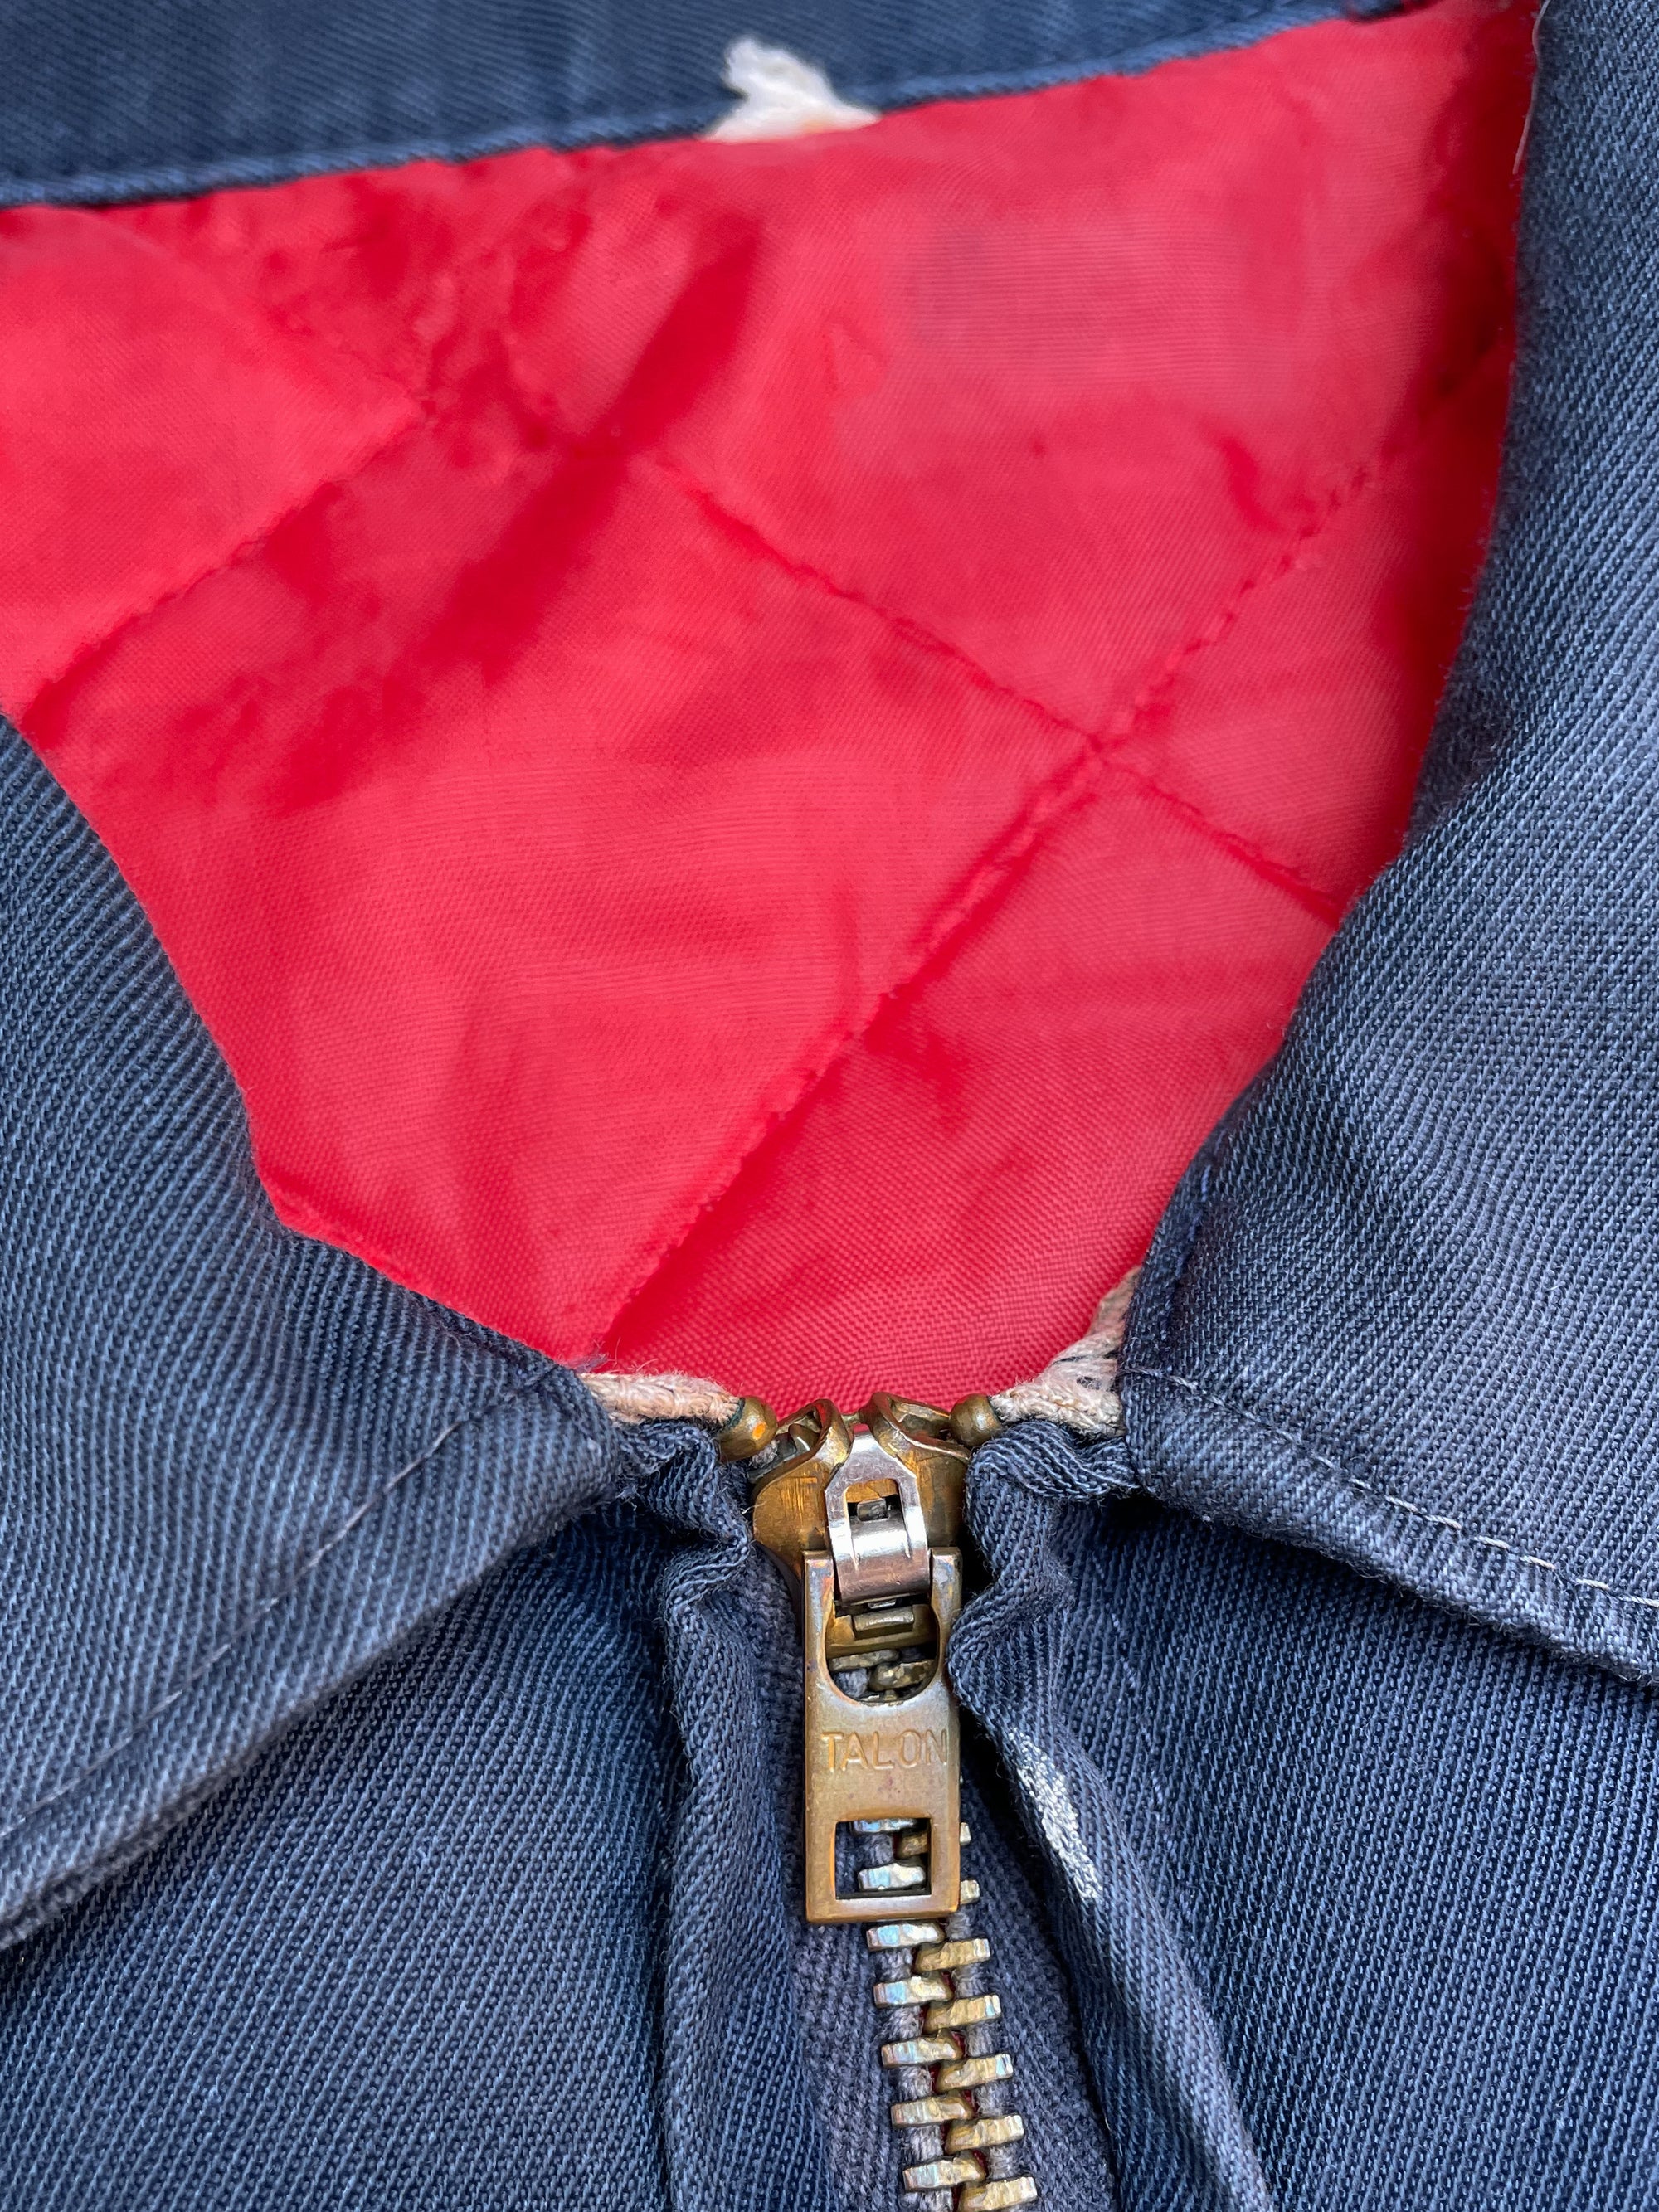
<point>866,1514</point>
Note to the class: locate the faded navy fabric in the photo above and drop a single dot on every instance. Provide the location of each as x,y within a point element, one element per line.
<point>113,99</point>
<point>1411,1863</point>
<point>396,1800</point>
<point>413,1959</point>
<point>237,1464</point>
<point>1406,1307</point>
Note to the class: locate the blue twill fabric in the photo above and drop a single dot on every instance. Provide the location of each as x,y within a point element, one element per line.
<point>399,1798</point>
<point>1407,1306</point>
<point>113,99</point>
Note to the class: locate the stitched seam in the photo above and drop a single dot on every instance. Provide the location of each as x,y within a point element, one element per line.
<point>1255,858</point>
<point>429,415</point>
<point>1100,1486</point>
<point>1361,478</point>
<point>85,654</point>
<point>1406,1505</point>
<point>296,1581</point>
<point>1035,817</point>
<point>1049,802</point>
<point>988,877</point>
<point>1096,743</point>
<point>1161,1824</point>
<point>993,874</point>
<point>905,627</point>
<point>577,133</point>
<point>242,306</point>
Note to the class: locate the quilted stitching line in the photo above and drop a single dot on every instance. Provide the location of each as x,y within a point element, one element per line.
<point>1361,479</point>
<point>1072,786</point>
<point>86,655</point>
<point>1248,854</point>
<point>427,412</point>
<point>1094,742</point>
<point>990,877</point>
<point>247,305</point>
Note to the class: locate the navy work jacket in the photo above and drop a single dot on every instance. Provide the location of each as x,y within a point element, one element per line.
<point>399,1774</point>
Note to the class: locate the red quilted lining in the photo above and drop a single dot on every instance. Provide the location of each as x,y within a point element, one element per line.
<point>742,745</point>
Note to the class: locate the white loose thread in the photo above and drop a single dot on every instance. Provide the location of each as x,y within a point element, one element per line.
<point>781,96</point>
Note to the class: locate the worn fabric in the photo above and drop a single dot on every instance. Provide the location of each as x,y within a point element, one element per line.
<point>237,1463</point>
<point>1406,1307</point>
<point>107,100</point>
<point>644,691</point>
<point>391,1808</point>
<point>245,2020</point>
<point>1358,1896</point>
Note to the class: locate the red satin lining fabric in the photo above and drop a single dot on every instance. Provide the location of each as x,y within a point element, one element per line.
<point>742,746</point>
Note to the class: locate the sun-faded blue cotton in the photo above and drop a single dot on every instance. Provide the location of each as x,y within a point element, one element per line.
<point>397,1805</point>
<point>1407,1305</point>
<point>115,99</point>
<point>305,2034</point>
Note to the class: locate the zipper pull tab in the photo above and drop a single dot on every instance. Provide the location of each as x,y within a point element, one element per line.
<point>869,1515</point>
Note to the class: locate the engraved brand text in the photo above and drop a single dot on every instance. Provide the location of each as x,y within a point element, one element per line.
<point>839,1751</point>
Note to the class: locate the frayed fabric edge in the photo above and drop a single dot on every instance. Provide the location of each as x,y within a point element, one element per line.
<point>1078,1389</point>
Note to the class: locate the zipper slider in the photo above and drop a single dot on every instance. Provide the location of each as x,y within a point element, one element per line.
<point>868,1515</point>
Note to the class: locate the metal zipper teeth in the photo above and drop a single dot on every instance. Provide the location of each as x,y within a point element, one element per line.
<point>957,2106</point>
<point>867,1513</point>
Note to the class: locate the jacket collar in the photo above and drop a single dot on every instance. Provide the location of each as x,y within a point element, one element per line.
<point>1405,1306</point>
